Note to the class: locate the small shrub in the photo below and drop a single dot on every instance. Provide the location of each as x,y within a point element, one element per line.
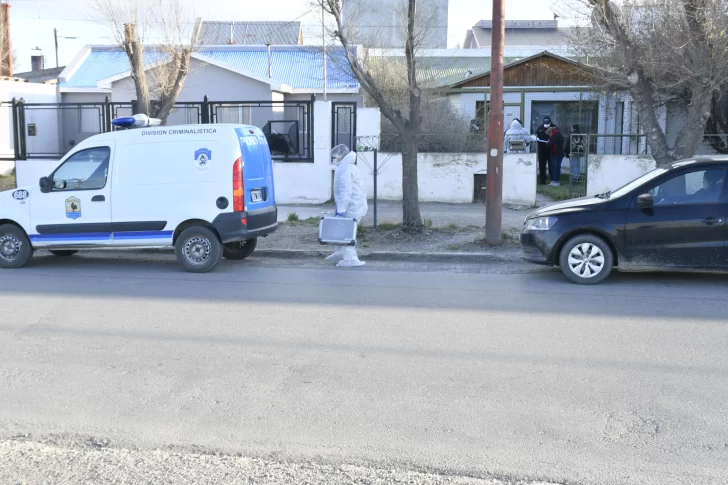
<point>453,247</point>
<point>427,223</point>
<point>293,217</point>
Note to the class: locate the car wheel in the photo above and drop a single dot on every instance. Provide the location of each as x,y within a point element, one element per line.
<point>63,253</point>
<point>198,249</point>
<point>15,248</point>
<point>586,260</point>
<point>239,249</point>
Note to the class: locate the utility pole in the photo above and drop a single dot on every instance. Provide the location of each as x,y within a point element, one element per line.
<point>55,38</point>
<point>494,176</point>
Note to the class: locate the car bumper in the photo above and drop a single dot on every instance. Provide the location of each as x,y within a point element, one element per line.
<point>539,246</point>
<point>241,226</point>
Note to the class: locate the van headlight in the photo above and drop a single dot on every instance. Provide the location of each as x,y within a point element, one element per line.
<point>540,223</point>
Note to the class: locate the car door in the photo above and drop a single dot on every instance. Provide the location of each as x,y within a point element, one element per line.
<point>685,226</point>
<point>75,211</point>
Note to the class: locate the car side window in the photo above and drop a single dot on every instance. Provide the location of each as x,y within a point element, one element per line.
<point>85,170</point>
<point>695,187</point>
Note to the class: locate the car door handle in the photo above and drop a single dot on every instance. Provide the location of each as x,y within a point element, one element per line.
<point>98,198</point>
<point>711,221</point>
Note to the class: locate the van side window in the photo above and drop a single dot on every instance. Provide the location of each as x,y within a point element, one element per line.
<point>85,170</point>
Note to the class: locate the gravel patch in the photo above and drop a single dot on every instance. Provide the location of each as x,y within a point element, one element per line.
<point>94,462</point>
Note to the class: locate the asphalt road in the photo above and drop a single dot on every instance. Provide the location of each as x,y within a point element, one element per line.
<point>501,370</point>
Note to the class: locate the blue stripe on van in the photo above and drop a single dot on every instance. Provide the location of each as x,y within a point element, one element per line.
<point>102,236</point>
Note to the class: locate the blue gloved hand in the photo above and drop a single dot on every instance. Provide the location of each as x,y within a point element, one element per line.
<point>339,214</point>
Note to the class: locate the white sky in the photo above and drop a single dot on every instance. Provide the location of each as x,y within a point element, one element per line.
<point>32,21</point>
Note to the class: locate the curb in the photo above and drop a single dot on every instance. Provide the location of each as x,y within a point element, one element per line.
<point>391,256</point>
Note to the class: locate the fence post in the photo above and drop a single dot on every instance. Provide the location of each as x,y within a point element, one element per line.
<point>107,115</point>
<point>205,110</point>
<point>21,130</point>
<point>375,188</point>
<point>16,140</point>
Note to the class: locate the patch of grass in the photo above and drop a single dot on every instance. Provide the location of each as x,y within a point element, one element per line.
<point>473,227</point>
<point>564,191</point>
<point>312,221</point>
<point>365,245</point>
<point>387,226</point>
<point>7,182</point>
<point>453,247</point>
<point>360,231</point>
<point>427,223</point>
<point>452,227</point>
<point>293,217</point>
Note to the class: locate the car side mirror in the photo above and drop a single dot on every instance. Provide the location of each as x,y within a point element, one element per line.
<point>45,184</point>
<point>645,201</point>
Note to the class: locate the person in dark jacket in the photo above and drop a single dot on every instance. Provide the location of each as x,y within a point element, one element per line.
<point>544,152</point>
<point>556,155</point>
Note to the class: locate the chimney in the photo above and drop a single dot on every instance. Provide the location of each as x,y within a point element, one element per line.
<point>36,60</point>
<point>6,49</point>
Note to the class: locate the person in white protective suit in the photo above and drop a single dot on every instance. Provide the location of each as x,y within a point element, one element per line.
<point>350,198</point>
<point>518,133</point>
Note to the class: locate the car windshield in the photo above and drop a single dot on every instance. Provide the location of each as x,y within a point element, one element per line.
<point>625,189</point>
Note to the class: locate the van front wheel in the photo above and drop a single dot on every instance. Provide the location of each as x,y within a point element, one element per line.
<point>198,249</point>
<point>239,249</point>
<point>15,248</point>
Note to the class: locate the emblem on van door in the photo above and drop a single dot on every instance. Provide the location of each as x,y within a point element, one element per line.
<point>202,159</point>
<point>73,208</point>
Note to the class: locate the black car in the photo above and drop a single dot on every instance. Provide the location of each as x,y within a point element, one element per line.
<point>673,217</point>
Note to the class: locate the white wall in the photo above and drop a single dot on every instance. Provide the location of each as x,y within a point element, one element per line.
<point>449,177</point>
<point>610,172</point>
<point>308,183</point>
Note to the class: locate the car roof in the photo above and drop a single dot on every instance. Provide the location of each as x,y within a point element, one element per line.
<point>698,160</point>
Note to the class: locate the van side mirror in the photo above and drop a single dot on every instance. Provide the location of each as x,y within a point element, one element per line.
<point>645,201</point>
<point>45,184</point>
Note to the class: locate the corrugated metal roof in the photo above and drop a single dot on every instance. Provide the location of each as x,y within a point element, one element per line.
<point>43,75</point>
<point>440,71</point>
<point>526,37</point>
<point>298,67</point>
<point>250,33</point>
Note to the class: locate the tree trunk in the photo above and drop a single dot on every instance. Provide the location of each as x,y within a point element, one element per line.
<point>411,219</point>
<point>690,136</point>
<point>135,51</point>
<point>644,98</point>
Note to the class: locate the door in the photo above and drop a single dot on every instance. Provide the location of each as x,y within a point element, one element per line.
<point>76,211</point>
<point>685,226</point>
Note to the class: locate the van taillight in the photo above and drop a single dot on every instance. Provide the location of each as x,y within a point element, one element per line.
<point>238,187</point>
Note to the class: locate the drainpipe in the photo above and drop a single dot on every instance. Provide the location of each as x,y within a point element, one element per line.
<point>270,63</point>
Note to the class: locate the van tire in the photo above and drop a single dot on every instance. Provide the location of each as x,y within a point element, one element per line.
<point>15,248</point>
<point>239,250</point>
<point>63,253</point>
<point>198,249</point>
<point>586,259</point>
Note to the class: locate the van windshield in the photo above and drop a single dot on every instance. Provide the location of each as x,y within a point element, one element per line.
<point>629,187</point>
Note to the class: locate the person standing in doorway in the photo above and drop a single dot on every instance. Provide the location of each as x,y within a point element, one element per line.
<point>544,152</point>
<point>555,145</point>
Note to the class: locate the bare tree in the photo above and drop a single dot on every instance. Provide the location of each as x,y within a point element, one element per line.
<point>159,82</point>
<point>7,56</point>
<point>660,52</point>
<point>385,90</point>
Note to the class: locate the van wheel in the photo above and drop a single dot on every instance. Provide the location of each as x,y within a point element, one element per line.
<point>15,248</point>
<point>586,260</point>
<point>63,253</point>
<point>238,250</point>
<point>198,249</point>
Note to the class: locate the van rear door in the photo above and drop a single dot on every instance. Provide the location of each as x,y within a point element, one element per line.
<point>257,170</point>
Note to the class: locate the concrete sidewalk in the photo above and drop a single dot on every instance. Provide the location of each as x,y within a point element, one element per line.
<point>441,215</point>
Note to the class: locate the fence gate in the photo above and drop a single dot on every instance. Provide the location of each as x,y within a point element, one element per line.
<point>343,125</point>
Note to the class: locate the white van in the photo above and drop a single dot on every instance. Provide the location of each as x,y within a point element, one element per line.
<point>206,190</point>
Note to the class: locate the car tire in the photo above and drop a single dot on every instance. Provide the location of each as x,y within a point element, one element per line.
<point>63,253</point>
<point>198,249</point>
<point>586,259</point>
<point>239,250</point>
<point>15,247</point>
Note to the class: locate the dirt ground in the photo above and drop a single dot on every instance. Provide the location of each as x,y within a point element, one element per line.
<point>303,235</point>
<point>7,183</point>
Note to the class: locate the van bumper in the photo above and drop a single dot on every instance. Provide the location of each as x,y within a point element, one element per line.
<point>260,223</point>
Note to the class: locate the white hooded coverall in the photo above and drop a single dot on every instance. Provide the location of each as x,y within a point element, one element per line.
<point>518,132</point>
<point>350,198</point>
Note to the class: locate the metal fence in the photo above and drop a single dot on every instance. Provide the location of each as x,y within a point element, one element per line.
<point>50,130</point>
